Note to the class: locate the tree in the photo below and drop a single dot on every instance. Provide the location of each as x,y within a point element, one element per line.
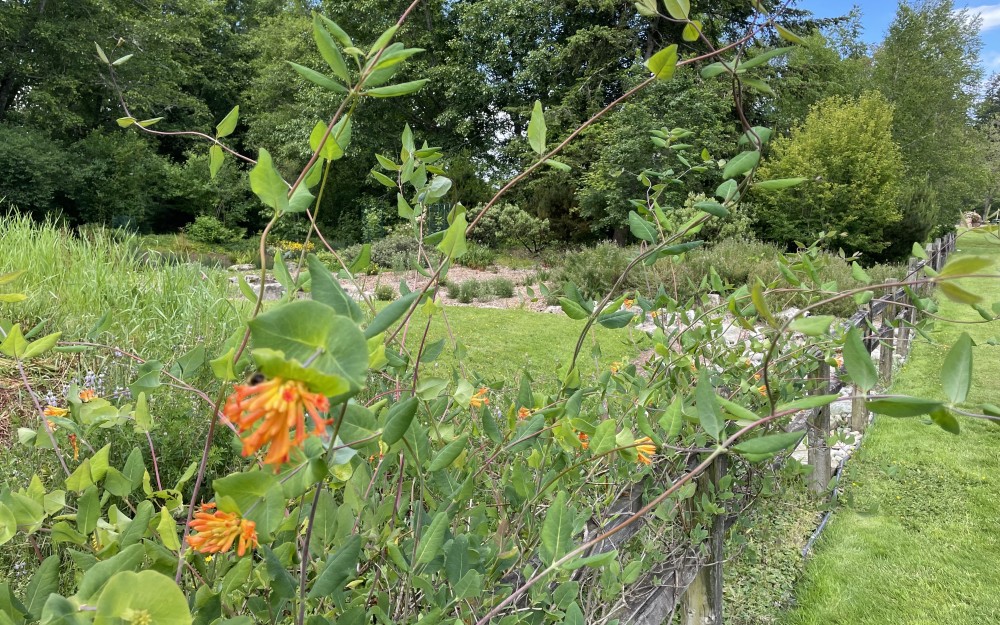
<point>845,149</point>
<point>927,67</point>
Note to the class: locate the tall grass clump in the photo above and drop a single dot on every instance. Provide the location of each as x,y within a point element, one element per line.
<point>73,281</point>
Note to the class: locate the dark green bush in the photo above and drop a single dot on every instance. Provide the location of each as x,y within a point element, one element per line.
<point>594,270</point>
<point>500,287</point>
<point>477,257</point>
<point>385,293</point>
<point>208,229</point>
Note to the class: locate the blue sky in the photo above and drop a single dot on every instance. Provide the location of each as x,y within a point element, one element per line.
<point>876,15</point>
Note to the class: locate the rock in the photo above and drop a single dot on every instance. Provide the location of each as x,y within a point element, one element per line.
<point>241,268</point>
<point>272,290</point>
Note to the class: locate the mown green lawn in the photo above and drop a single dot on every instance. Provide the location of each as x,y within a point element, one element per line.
<point>917,540</point>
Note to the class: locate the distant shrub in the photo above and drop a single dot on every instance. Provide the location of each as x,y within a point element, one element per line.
<point>208,229</point>
<point>594,270</point>
<point>385,293</point>
<point>501,287</point>
<point>508,225</point>
<point>477,257</point>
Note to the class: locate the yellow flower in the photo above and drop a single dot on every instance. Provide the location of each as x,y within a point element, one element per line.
<point>584,440</point>
<point>645,447</point>
<point>839,360</point>
<point>762,389</point>
<point>218,530</point>
<point>281,405</point>
<point>615,366</point>
<point>757,376</point>
<point>480,398</point>
<point>76,447</point>
<point>654,314</point>
<point>523,413</point>
<point>628,303</point>
<point>87,394</point>
<point>53,411</point>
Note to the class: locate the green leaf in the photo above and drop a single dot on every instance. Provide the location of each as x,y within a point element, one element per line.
<point>958,294</point>
<point>807,403</point>
<point>961,265</point>
<point>764,57</point>
<point>616,320</point>
<point>537,129</point>
<point>122,60</point>
<point>329,50</point>
<point>741,164</point>
<point>709,414</point>
<point>215,160</point>
<point>338,33</point>
<point>148,593</point>
<point>267,183</point>
<point>470,586</point>
<point>603,439</point>
<point>43,583</point>
<point>146,123</point>
<point>641,228</point>
<point>778,183</point>
<point>559,165</point>
<point>595,561</point>
<point>228,123</point>
<point>257,496</point>
<point>383,39</point>
<point>572,309</point>
<point>818,325</point>
<point>919,251</point>
<point>557,529</point>
<point>398,421</point>
<point>42,345</point>
<point>769,445</point>
<point>98,575</point>
<point>713,208</point>
<point>757,84</point>
<point>646,8</point>
<point>137,528</point>
<point>945,420</point>
<point>88,510</point>
<point>737,410</point>
<point>363,261</point>
<point>903,406</point>
<point>757,297</point>
<point>100,54</point>
<point>454,245</point>
<point>691,32</point>
<point>956,371</point>
<point>678,9</point>
<point>672,419</point>
<point>390,314</point>
<point>166,529</point>
<point>340,568</point>
<point>788,35</point>
<point>319,79</point>
<point>432,539</point>
<point>327,290</point>
<point>306,331</point>
<point>663,63</point>
<point>125,122</point>
<point>8,524</point>
<point>449,454</point>
<point>393,91</point>
<point>727,190</point>
<point>858,362</point>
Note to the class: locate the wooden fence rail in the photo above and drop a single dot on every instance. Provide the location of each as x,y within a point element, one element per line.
<point>694,578</point>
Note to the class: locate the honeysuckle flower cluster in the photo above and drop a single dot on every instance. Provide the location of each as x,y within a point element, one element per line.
<point>280,405</point>
<point>218,530</point>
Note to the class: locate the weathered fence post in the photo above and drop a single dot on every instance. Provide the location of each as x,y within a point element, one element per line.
<point>887,334</point>
<point>817,429</point>
<point>702,601</point>
<point>859,411</point>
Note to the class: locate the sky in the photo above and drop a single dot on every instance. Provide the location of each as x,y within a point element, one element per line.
<point>876,15</point>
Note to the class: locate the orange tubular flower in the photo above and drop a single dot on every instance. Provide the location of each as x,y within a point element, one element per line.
<point>480,398</point>
<point>762,389</point>
<point>280,405</point>
<point>523,413</point>
<point>645,448</point>
<point>53,411</point>
<point>87,394</point>
<point>218,530</point>
<point>584,440</point>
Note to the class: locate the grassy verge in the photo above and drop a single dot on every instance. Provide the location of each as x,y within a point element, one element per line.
<point>918,537</point>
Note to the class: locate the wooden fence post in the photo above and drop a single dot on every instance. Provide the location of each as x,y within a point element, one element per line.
<point>817,429</point>
<point>859,411</point>
<point>887,334</point>
<point>702,601</point>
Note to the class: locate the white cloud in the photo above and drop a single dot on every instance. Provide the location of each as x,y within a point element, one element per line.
<point>990,14</point>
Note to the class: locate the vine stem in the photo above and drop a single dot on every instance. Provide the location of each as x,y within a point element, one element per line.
<point>41,415</point>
